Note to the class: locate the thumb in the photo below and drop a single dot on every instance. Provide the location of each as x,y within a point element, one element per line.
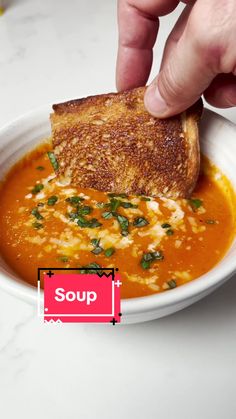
<point>184,76</point>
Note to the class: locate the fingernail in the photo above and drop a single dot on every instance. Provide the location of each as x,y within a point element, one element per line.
<point>154,102</point>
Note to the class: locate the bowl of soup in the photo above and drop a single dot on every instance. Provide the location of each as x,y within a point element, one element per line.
<point>170,253</point>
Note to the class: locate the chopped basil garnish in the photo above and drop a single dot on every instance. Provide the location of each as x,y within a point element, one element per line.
<point>80,212</point>
<point>118,195</point>
<point>145,264</point>
<point>64,259</point>
<point>210,222</point>
<point>95,242</point>
<point>74,200</point>
<point>166,225</point>
<point>100,204</point>
<point>52,200</point>
<point>93,223</point>
<point>169,232</point>
<point>114,204</point>
<point>172,283</point>
<point>35,212</point>
<point>90,268</point>
<point>109,252</point>
<point>107,215</point>
<point>150,257</point>
<point>140,222</point>
<point>144,198</point>
<point>53,160</point>
<point>72,215</point>
<point>82,222</point>
<point>40,168</point>
<point>125,204</point>
<point>195,203</point>
<point>37,188</point>
<point>97,248</point>
<point>37,225</point>
<point>158,255</point>
<point>124,224</point>
<point>85,210</point>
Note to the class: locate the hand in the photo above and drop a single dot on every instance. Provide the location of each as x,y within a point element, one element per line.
<point>199,56</point>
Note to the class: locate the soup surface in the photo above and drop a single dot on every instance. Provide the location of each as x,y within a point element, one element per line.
<point>157,244</point>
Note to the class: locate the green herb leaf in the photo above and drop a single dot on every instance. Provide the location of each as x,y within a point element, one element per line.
<point>145,264</point>
<point>52,200</point>
<point>118,195</point>
<point>63,259</point>
<point>97,250</point>
<point>90,268</point>
<point>37,188</point>
<point>195,203</point>
<point>172,283</point>
<point>166,225</point>
<point>40,168</point>
<point>158,255</point>
<point>125,204</point>
<point>81,211</point>
<point>93,223</point>
<point>95,242</point>
<point>169,232</point>
<point>84,210</point>
<point>53,160</point>
<point>35,212</point>
<point>114,204</point>
<point>74,200</point>
<point>100,204</point>
<point>72,215</point>
<point>140,222</point>
<point>37,225</point>
<point>109,252</point>
<point>150,257</point>
<point>82,222</point>
<point>107,215</point>
<point>124,224</point>
<point>144,198</point>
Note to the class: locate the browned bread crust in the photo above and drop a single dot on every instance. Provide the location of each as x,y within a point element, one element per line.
<point>111,143</point>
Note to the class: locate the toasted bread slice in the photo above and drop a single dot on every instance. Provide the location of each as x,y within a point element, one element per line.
<point>111,143</point>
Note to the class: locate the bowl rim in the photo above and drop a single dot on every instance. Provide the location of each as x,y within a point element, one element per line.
<point>131,306</point>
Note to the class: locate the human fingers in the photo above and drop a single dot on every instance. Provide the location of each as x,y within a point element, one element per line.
<point>201,53</point>
<point>175,35</point>
<point>222,91</point>
<point>138,27</point>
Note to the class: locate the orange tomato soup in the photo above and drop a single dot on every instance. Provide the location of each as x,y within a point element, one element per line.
<point>157,244</point>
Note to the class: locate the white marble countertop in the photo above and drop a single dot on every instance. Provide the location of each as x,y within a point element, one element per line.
<point>182,366</point>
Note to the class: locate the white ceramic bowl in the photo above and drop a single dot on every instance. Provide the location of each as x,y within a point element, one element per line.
<point>218,142</point>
